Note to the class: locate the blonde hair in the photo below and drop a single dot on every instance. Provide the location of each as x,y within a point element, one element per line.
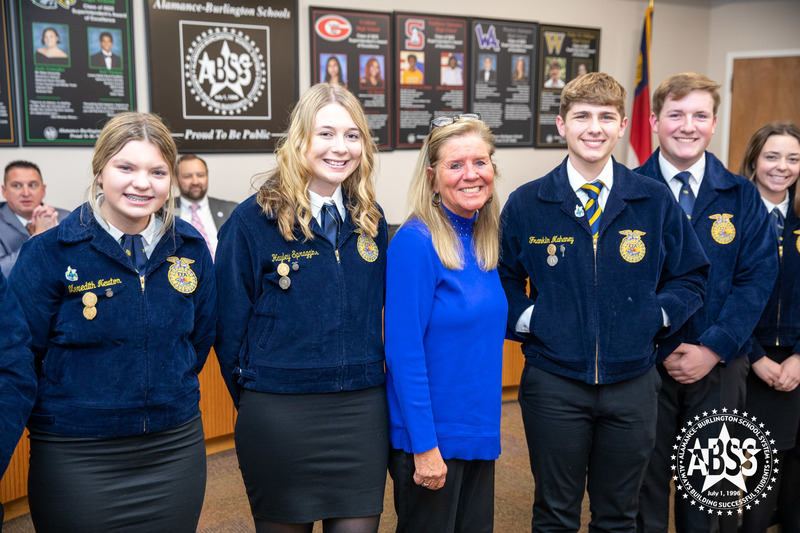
<point>485,234</point>
<point>284,194</point>
<point>119,131</point>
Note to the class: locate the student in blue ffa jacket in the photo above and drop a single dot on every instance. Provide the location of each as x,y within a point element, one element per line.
<point>299,341</point>
<point>17,376</point>
<point>613,266</point>
<point>120,301</point>
<point>703,366</point>
<point>772,162</point>
<point>445,325</point>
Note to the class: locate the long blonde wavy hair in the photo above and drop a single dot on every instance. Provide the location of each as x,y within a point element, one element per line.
<point>485,233</point>
<point>284,194</point>
<point>119,131</point>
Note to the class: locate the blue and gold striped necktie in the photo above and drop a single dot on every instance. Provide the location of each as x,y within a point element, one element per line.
<point>593,210</point>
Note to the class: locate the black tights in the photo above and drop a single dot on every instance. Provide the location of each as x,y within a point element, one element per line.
<point>366,524</point>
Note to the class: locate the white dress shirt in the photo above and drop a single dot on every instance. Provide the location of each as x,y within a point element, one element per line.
<point>206,218</point>
<point>317,202</point>
<point>669,171</point>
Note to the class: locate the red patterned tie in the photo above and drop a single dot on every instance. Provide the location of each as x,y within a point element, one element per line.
<point>198,225</point>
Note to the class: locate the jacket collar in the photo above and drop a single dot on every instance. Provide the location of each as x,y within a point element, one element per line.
<point>715,180</point>
<point>556,189</point>
<point>81,226</point>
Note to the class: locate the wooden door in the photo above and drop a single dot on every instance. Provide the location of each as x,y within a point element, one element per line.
<point>763,89</point>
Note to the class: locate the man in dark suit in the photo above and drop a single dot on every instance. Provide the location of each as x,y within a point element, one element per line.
<point>23,214</point>
<point>206,214</point>
<point>487,74</point>
<point>104,58</point>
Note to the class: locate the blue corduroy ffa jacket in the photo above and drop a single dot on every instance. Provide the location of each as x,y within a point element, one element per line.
<point>780,322</point>
<point>743,256</point>
<point>132,368</point>
<point>597,313</point>
<point>323,332</point>
<point>17,376</point>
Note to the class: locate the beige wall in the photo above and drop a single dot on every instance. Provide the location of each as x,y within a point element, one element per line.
<point>687,35</point>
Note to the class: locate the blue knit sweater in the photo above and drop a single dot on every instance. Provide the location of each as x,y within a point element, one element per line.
<point>444,347</point>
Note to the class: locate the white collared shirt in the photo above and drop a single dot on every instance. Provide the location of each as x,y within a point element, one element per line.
<point>783,207</point>
<point>669,171</point>
<point>317,202</point>
<point>206,218</point>
<point>150,235</point>
<point>576,181</point>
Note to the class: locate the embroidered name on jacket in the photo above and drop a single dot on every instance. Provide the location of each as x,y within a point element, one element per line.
<point>280,258</point>
<point>89,285</point>
<point>547,240</point>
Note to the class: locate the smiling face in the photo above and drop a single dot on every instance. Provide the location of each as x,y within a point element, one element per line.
<point>591,132</point>
<point>334,151</point>
<point>487,63</point>
<point>777,167</point>
<point>684,128</point>
<point>374,69</point>
<point>106,43</point>
<point>50,38</point>
<point>135,183</point>
<point>464,174</point>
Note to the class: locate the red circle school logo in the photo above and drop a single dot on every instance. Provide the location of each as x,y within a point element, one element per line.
<point>724,462</point>
<point>333,28</point>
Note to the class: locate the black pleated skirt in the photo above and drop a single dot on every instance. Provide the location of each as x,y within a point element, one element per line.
<point>142,483</point>
<point>309,457</point>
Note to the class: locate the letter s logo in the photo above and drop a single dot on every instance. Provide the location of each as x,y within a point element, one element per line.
<point>333,28</point>
<point>415,36</point>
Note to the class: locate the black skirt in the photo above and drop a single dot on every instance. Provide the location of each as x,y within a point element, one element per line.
<point>778,411</point>
<point>152,482</point>
<point>309,457</point>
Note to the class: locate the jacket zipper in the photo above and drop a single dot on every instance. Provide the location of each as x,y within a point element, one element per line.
<point>778,324</point>
<point>596,331</point>
<point>144,420</point>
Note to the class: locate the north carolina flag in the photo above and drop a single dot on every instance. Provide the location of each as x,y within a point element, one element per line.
<point>639,122</point>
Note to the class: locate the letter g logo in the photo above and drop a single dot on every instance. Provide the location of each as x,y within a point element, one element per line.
<point>333,28</point>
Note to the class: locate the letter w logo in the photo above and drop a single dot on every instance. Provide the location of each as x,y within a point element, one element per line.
<point>554,42</point>
<point>487,40</point>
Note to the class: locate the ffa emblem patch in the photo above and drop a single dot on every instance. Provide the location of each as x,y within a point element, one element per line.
<point>632,247</point>
<point>71,274</point>
<point>798,239</point>
<point>367,248</point>
<point>180,275</point>
<point>722,230</point>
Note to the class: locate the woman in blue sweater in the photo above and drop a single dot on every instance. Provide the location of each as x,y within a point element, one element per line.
<point>772,162</point>
<point>444,329</point>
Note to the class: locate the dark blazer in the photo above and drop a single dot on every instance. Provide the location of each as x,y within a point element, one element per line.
<point>265,341</point>
<point>17,376</point>
<point>743,267</point>
<point>220,210</point>
<point>97,60</point>
<point>597,306</point>
<point>482,75</point>
<point>133,368</point>
<point>13,234</point>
